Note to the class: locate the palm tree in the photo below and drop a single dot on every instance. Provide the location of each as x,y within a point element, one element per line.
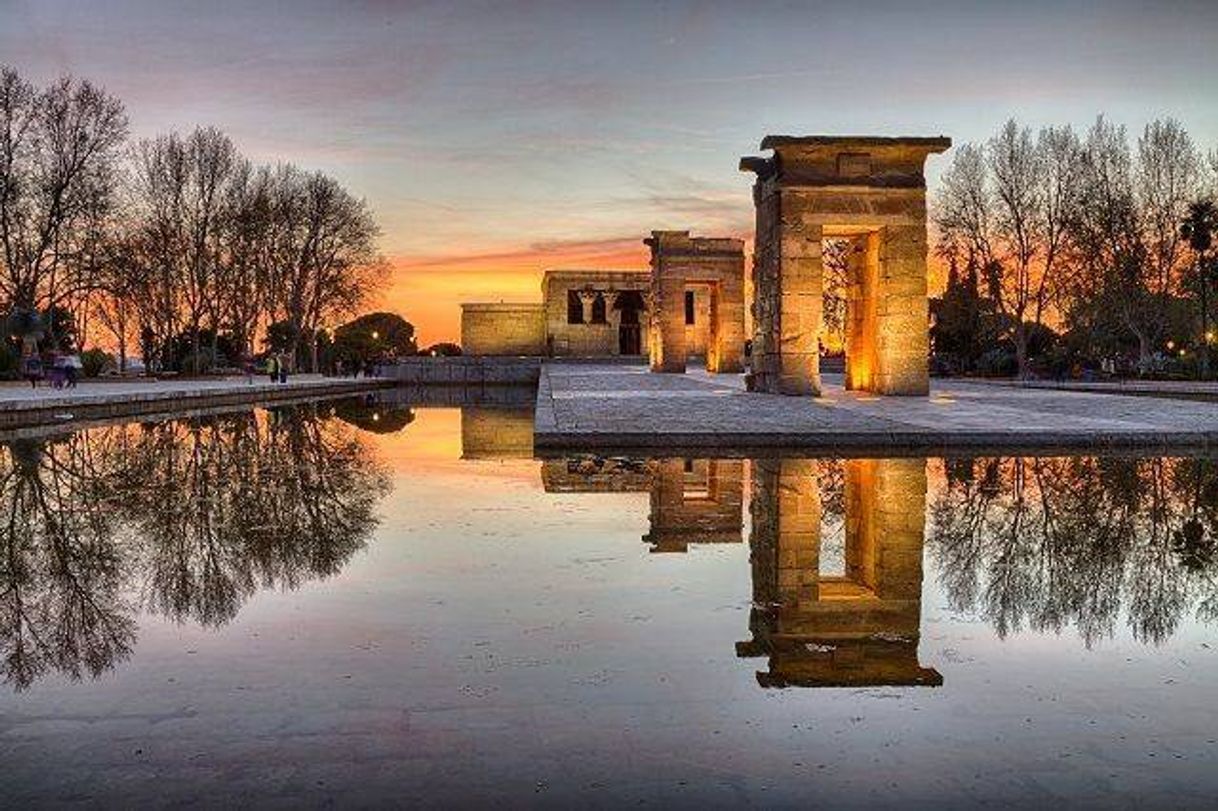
<point>1199,228</point>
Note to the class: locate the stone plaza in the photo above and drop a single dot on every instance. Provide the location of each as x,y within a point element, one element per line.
<point>588,406</point>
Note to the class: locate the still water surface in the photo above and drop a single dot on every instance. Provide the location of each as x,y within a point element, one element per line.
<point>366,603</point>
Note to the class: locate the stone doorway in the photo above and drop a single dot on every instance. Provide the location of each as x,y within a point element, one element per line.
<point>629,305</point>
<point>871,191</point>
<point>681,264</point>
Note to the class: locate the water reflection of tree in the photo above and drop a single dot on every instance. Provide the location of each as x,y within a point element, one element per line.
<point>61,576</point>
<point>1049,542</point>
<point>186,518</point>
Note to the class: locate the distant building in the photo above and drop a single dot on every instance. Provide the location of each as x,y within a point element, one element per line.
<point>583,313</point>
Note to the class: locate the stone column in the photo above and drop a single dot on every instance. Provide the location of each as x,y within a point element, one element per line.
<point>902,342</point>
<point>786,511</point>
<point>586,299</point>
<point>784,548</point>
<point>885,527</point>
<point>788,278</point>
<point>862,269</point>
<point>614,318</point>
<point>801,291</point>
<point>668,324</point>
<point>727,310</point>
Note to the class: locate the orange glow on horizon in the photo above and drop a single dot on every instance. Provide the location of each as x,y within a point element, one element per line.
<point>428,291</point>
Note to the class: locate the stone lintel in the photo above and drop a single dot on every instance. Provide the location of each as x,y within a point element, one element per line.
<point>832,161</point>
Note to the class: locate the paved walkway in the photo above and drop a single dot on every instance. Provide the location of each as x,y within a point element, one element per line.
<point>22,405</point>
<point>1194,389</point>
<point>590,407</point>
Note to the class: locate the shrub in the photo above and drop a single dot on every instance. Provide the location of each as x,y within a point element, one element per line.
<point>95,362</point>
<point>997,362</point>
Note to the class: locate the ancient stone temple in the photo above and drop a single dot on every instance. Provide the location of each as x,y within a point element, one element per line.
<point>593,313</point>
<point>854,625</point>
<point>872,192</point>
<point>681,266</point>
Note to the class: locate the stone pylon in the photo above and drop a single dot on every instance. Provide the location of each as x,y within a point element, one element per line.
<point>871,191</point>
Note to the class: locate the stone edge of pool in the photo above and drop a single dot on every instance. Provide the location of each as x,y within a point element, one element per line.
<point>82,405</point>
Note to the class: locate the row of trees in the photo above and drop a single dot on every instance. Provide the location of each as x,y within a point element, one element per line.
<point>169,242</point>
<point>1100,240</point>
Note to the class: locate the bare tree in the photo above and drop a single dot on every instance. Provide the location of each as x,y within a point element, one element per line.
<point>1166,180</point>
<point>1003,209</point>
<point>1060,154</point>
<point>327,260</point>
<point>1014,279</point>
<point>180,191</point>
<point>59,149</point>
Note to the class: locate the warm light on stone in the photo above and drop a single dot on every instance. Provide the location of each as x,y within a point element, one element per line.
<point>680,263</point>
<point>871,191</point>
<point>858,628</point>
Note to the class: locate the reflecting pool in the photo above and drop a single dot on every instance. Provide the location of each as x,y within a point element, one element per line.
<point>373,601</point>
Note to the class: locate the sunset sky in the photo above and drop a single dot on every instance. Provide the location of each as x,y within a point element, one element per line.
<point>497,139</point>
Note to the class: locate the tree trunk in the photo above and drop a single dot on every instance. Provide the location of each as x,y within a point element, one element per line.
<point>1021,352</point>
<point>1204,365</point>
<point>1145,353</point>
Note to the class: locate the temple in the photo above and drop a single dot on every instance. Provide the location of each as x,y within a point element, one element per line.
<point>689,304</point>
<point>868,193</point>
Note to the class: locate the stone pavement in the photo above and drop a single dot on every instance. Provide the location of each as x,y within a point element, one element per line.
<point>596,407</point>
<point>21,405</point>
<point>1195,389</point>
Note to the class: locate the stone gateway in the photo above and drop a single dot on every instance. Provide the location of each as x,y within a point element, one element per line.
<point>872,192</point>
<point>680,266</point>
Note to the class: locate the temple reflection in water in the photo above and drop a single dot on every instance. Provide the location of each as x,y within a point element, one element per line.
<point>849,618</point>
<point>691,500</point>
<point>853,620</point>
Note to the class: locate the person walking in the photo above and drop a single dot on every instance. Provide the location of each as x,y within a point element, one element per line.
<point>32,370</point>
<point>272,367</point>
<point>72,369</point>
<point>283,370</point>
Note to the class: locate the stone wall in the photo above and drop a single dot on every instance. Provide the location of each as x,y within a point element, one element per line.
<point>503,329</point>
<point>463,370</point>
<point>587,338</point>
